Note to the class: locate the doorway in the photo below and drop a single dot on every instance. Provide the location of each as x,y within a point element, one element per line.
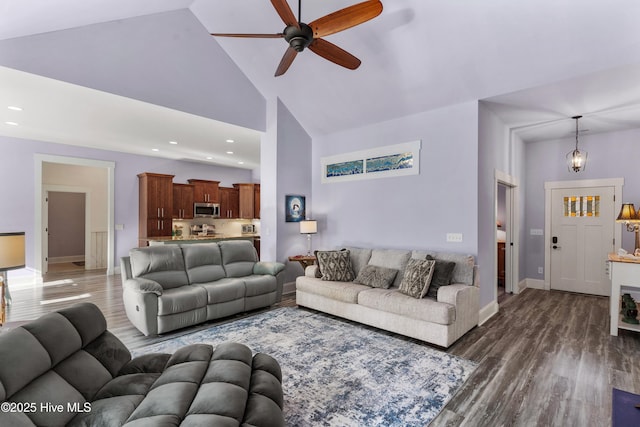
<point>66,230</point>
<point>104,214</point>
<point>506,236</point>
<point>579,233</point>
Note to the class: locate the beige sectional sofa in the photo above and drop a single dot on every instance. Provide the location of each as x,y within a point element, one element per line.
<point>440,320</point>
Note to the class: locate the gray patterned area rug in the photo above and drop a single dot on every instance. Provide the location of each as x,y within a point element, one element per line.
<point>340,374</point>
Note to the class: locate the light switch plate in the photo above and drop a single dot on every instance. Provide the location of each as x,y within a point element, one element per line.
<point>536,232</point>
<point>454,237</point>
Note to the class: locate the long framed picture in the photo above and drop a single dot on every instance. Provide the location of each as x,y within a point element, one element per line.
<point>382,162</point>
<point>294,208</point>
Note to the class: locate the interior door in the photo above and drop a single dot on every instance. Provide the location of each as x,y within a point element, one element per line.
<point>582,234</point>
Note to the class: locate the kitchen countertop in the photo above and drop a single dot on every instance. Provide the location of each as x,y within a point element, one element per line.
<point>192,238</point>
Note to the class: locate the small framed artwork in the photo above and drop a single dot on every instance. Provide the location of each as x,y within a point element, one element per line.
<point>294,208</point>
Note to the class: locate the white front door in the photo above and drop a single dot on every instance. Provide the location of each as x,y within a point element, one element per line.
<point>582,234</point>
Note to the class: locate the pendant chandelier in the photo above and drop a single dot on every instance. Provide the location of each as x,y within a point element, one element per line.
<point>576,159</point>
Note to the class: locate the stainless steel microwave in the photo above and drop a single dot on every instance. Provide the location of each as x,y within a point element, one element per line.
<point>206,210</point>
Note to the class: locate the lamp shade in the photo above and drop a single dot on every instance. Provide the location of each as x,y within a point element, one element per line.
<point>627,213</point>
<point>308,226</point>
<point>11,251</point>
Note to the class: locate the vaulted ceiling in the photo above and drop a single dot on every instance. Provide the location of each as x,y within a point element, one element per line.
<point>535,64</point>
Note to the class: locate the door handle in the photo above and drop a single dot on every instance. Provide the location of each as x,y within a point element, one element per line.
<point>556,247</point>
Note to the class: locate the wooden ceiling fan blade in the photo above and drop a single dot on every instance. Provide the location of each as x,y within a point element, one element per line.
<point>285,12</point>
<point>335,54</point>
<point>346,18</point>
<point>285,62</point>
<point>250,36</point>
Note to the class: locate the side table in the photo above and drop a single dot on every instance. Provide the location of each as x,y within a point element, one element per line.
<point>304,260</point>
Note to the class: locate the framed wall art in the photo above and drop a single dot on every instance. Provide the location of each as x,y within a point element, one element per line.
<point>381,162</point>
<point>294,208</point>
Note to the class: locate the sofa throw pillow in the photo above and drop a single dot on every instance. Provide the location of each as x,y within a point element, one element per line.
<point>442,274</point>
<point>376,276</point>
<point>417,277</point>
<point>335,266</point>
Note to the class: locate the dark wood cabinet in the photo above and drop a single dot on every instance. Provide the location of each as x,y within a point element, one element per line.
<point>256,244</point>
<point>229,202</point>
<point>155,205</point>
<point>256,201</point>
<point>205,191</point>
<point>247,196</point>
<point>183,198</point>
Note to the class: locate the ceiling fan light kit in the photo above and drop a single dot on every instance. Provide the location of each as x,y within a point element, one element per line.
<point>300,35</point>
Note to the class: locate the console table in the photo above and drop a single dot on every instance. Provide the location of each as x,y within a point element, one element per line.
<point>625,278</point>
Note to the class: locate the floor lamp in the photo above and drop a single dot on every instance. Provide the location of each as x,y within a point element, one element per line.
<point>11,258</point>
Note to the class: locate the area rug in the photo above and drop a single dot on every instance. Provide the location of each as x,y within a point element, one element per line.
<point>336,373</point>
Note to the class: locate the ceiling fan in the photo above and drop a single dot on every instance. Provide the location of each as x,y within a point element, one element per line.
<point>300,35</point>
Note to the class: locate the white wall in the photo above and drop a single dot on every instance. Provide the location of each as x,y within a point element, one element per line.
<point>412,212</point>
<point>294,177</point>
<point>498,151</point>
<point>90,178</point>
<point>611,155</point>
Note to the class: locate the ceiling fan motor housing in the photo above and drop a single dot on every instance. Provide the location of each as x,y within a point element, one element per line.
<point>298,38</point>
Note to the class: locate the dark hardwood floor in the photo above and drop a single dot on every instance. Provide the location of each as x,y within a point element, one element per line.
<point>546,359</point>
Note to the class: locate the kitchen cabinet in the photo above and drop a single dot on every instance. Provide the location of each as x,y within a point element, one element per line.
<point>183,199</point>
<point>229,202</point>
<point>256,201</point>
<point>247,200</point>
<point>205,191</point>
<point>155,206</point>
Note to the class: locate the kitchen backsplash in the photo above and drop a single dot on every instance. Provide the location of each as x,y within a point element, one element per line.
<point>223,226</point>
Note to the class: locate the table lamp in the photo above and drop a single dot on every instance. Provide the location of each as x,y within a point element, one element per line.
<point>11,258</point>
<point>631,219</point>
<point>308,227</point>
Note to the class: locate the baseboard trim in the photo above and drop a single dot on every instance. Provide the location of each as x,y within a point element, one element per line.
<point>533,284</point>
<point>488,311</point>
<point>289,288</point>
<point>64,259</point>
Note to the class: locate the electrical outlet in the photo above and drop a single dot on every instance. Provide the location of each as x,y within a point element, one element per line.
<point>454,237</point>
<point>540,270</point>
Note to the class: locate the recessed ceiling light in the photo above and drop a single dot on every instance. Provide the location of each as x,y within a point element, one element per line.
<point>209,158</point>
<point>229,152</point>
<point>173,142</point>
<point>241,163</point>
<point>230,140</point>
<point>12,123</point>
<point>14,108</point>
<point>155,149</point>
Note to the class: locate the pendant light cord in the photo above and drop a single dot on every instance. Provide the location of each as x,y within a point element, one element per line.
<point>577,118</point>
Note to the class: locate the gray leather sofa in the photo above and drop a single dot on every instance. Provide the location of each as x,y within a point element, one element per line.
<point>66,368</point>
<point>173,286</point>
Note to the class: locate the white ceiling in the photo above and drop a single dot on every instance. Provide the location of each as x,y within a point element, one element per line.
<point>61,112</point>
<point>536,64</point>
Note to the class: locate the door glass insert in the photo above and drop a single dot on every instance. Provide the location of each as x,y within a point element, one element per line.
<point>582,206</point>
